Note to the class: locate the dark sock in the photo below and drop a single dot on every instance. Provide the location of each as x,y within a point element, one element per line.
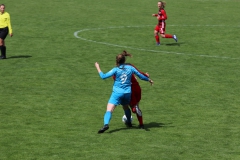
<point>4,51</point>
<point>1,48</point>
<point>140,119</point>
<point>128,114</point>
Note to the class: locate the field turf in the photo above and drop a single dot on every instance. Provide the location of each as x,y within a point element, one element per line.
<point>52,100</point>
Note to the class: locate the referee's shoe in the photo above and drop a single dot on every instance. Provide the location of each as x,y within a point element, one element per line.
<point>3,52</point>
<point>3,57</point>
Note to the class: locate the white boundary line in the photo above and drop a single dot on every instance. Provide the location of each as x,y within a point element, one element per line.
<point>147,50</point>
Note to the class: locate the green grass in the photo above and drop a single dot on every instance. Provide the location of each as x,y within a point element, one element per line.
<point>53,101</point>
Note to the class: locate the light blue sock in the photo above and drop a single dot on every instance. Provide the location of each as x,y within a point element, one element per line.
<point>128,114</point>
<point>107,117</point>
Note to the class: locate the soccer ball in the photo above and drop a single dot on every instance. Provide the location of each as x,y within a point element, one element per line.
<point>124,118</point>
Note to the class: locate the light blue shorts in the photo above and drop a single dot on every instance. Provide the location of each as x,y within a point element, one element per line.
<point>120,98</point>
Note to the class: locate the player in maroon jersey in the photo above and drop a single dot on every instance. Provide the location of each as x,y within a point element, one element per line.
<point>161,26</point>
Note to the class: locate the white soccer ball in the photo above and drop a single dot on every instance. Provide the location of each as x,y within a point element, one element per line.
<point>124,118</point>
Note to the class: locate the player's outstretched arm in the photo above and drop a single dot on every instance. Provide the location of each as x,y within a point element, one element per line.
<point>97,67</point>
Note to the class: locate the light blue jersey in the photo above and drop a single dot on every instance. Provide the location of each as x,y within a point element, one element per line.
<point>121,93</point>
<point>122,85</point>
<point>123,74</point>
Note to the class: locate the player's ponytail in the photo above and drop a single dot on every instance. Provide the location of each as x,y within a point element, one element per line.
<point>120,58</point>
<point>125,53</point>
<point>163,4</point>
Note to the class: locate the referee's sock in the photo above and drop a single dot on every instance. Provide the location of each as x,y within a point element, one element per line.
<point>3,51</point>
<point>1,48</point>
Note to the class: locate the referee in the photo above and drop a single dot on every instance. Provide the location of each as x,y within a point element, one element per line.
<point>5,28</point>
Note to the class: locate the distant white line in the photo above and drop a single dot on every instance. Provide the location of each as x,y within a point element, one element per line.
<point>147,50</point>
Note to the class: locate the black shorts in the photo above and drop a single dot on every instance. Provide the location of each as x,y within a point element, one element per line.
<point>3,32</point>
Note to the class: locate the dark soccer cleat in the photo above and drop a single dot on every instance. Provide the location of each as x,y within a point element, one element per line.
<point>129,124</point>
<point>141,126</point>
<point>103,129</point>
<point>158,44</point>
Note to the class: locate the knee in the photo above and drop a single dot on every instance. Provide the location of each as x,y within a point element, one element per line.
<point>1,42</point>
<point>162,35</point>
<point>110,107</point>
<point>125,107</point>
<point>134,109</point>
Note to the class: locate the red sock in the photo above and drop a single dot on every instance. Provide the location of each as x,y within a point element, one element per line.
<point>168,36</point>
<point>139,115</point>
<point>140,119</point>
<point>157,39</point>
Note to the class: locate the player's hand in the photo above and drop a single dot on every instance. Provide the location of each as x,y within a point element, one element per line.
<point>96,65</point>
<point>151,81</point>
<point>153,15</point>
<point>11,35</point>
<point>147,74</point>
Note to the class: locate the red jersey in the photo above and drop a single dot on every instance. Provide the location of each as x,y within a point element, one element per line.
<point>162,16</point>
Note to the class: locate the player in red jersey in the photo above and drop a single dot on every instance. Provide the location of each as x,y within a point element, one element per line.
<point>136,95</point>
<point>161,26</point>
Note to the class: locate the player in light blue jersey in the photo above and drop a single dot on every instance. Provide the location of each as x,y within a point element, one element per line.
<point>121,93</point>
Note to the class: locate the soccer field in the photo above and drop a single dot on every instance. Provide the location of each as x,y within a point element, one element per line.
<point>53,100</point>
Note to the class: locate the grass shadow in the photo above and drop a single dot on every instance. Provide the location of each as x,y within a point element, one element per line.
<point>174,44</point>
<point>20,56</point>
<point>156,125</point>
<point>119,129</point>
<point>147,126</point>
